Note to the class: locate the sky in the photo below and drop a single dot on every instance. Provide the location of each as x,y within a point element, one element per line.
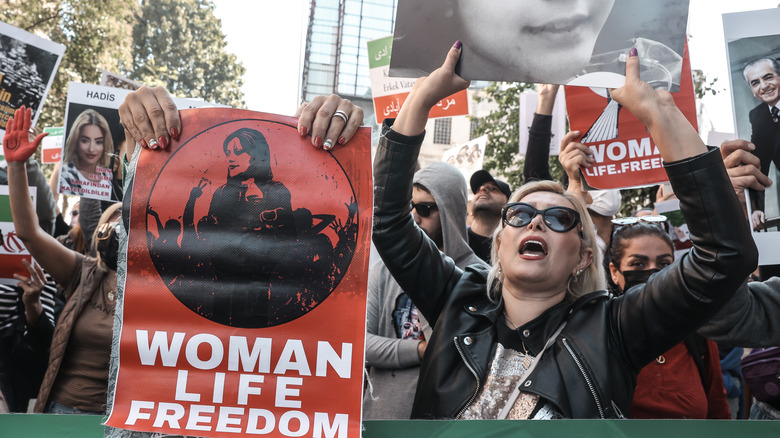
<point>268,37</point>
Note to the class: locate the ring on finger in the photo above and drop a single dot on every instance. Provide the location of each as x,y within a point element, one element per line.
<point>341,114</point>
<point>29,282</point>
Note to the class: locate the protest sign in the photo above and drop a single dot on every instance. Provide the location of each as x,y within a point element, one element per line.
<point>677,225</point>
<point>467,157</point>
<point>542,41</point>
<point>753,48</point>
<point>27,67</point>
<point>390,93</point>
<point>12,250</point>
<point>244,304</point>
<point>625,154</point>
<point>51,145</point>
<point>528,101</point>
<point>95,141</point>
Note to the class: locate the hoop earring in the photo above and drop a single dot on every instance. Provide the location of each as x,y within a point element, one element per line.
<point>575,278</point>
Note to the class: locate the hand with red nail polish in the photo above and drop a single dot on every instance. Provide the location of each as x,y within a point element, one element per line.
<point>327,119</point>
<point>150,113</point>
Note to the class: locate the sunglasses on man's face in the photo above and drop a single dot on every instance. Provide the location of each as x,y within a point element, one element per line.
<point>424,209</point>
<point>520,214</point>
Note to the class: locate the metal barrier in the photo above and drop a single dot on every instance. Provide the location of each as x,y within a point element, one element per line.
<point>85,426</point>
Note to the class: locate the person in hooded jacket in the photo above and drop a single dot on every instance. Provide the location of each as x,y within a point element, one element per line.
<point>397,333</point>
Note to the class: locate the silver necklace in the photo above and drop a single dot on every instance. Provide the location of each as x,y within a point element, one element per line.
<point>527,358</point>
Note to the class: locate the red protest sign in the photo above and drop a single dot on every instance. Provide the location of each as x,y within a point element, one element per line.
<point>12,249</point>
<point>245,295</point>
<point>454,105</point>
<point>625,154</point>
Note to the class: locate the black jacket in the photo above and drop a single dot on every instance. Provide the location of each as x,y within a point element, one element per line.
<point>590,371</point>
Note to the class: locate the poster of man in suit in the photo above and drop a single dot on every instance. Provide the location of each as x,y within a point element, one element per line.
<point>753,49</point>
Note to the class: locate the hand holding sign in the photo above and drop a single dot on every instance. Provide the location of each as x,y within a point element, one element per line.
<point>330,120</point>
<point>16,144</point>
<point>744,168</point>
<point>428,91</point>
<point>674,136</point>
<point>575,155</point>
<point>150,117</point>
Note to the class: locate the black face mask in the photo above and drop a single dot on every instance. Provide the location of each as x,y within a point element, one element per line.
<point>108,248</point>
<point>634,278</point>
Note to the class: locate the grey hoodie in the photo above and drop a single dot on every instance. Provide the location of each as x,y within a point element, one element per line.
<point>393,363</point>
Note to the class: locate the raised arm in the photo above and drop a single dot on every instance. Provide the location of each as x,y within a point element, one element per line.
<point>684,295</point>
<point>404,247</point>
<point>427,91</point>
<point>52,256</point>
<point>536,165</point>
<point>673,134</point>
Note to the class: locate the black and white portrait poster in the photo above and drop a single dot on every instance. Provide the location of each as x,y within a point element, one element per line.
<point>575,43</point>
<point>753,49</point>
<point>27,67</point>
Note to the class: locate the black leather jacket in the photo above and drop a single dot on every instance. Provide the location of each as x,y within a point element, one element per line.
<point>590,371</point>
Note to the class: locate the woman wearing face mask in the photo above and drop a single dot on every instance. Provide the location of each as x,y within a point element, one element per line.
<point>76,378</point>
<point>686,381</point>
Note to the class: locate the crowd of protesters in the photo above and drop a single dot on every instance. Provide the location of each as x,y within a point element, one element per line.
<point>547,306</point>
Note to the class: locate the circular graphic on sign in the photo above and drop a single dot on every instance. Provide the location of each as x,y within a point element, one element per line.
<point>248,226</point>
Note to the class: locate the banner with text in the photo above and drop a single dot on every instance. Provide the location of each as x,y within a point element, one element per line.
<point>625,154</point>
<point>244,306</point>
<point>528,102</point>
<point>12,250</point>
<point>390,93</point>
<point>467,157</point>
<point>28,64</point>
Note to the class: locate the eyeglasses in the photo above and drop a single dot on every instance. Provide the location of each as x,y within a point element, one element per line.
<point>424,209</point>
<point>559,219</point>
<point>619,223</point>
<point>657,219</point>
<point>102,235</point>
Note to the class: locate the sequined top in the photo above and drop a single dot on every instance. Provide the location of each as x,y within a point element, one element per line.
<point>506,369</point>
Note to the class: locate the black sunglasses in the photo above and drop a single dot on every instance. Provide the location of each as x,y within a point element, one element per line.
<point>424,209</point>
<point>520,214</point>
<point>658,220</point>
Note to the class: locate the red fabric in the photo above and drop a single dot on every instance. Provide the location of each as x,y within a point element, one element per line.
<point>674,389</point>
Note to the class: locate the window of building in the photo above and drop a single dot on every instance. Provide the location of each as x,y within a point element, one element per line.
<point>472,128</point>
<point>442,128</point>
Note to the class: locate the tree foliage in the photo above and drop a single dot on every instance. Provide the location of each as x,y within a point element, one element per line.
<point>502,127</point>
<point>175,43</point>
<point>96,35</point>
<point>179,44</point>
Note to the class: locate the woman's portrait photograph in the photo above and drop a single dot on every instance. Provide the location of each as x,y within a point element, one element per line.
<point>564,42</point>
